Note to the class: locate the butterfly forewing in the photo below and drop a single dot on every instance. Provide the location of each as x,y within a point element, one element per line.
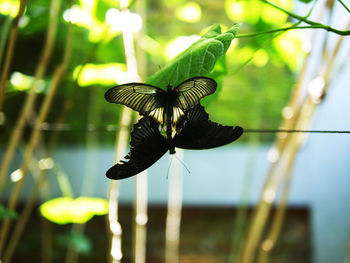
<point>191,91</point>
<point>138,96</point>
<point>147,147</point>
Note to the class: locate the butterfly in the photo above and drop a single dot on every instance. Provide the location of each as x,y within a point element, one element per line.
<point>168,106</point>
<point>148,145</point>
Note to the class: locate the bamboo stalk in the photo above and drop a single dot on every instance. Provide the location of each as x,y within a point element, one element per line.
<point>141,183</point>
<point>31,96</point>
<point>173,219</point>
<point>34,139</point>
<point>275,176</point>
<point>287,156</point>
<point>22,220</point>
<point>113,192</point>
<point>9,53</point>
<point>269,243</point>
<point>277,170</point>
<point>4,34</point>
<point>28,154</point>
<point>277,222</point>
<point>46,241</point>
<point>141,217</point>
<point>240,226</point>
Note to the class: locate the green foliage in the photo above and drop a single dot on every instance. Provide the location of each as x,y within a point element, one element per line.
<point>80,243</point>
<point>252,73</point>
<point>305,1</point>
<point>5,213</point>
<point>65,210</point>
<point>198,60</point>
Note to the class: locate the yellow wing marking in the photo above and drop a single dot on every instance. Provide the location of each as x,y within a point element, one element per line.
<point>177,113</point>
<point>157,114</point>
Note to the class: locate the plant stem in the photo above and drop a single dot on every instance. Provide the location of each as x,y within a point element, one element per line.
<point>312,24</point>
<point>4,34</point>
<point>9,54</point>
<point>342,3</point>
<point>317,26</point>
<point>31,96</point>
<point>34,139</point>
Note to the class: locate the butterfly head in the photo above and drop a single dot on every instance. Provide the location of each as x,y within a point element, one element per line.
<point>169,88</point>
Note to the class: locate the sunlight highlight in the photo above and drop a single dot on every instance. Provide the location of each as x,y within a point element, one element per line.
<point>116,252</point>
<point>260,58</point>
<point>316,89</point>
<point>271,15</point>
<point>235,10</point>
<point>287,112</point>
<point>190,12</point>
<point>290,47</point>
<point>46,164</point>
<point>9,8</point>
<point>72,15</point>
<point>273,155</point>
<point>179,44</point>
<point>20,81</point>
<point>16,175</point>
<point>123,20</point>
<point>252,11</point>
<point>244,11</point>
<point>267,245</point>
<point>84,15</point>
<point>269,195</point>
<point>101,74</point>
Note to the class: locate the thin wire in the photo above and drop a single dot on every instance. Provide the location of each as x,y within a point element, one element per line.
<point>66,127</point>
<point>291,131</point>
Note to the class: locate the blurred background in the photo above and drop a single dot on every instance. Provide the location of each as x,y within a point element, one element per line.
<point>268,197</point>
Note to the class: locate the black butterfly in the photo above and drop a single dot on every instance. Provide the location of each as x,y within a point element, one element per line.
<point>148,145</point>
<point>166,107</point>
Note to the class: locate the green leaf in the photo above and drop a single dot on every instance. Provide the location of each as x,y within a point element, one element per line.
<point>198,60</point>
<point>305,1</point>
<point>64,210</point>
<point>79,242</point>
<point>5,213</point>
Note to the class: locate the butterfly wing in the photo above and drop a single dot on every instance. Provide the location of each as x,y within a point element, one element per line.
<point>200,133</point>
<point>140,97</point>
<point>191,91</point>
<point>147,146</point>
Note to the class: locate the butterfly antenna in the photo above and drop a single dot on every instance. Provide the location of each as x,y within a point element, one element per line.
<point>171,160</point>
<point>188,170</point>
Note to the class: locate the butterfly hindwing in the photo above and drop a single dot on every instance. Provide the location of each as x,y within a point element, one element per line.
<point>191,91</point>
<point>147,146</point>
<point>200,133</point>
<point>140,97</point>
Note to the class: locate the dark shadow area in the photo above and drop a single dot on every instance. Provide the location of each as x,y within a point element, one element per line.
<point>206,234</point>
